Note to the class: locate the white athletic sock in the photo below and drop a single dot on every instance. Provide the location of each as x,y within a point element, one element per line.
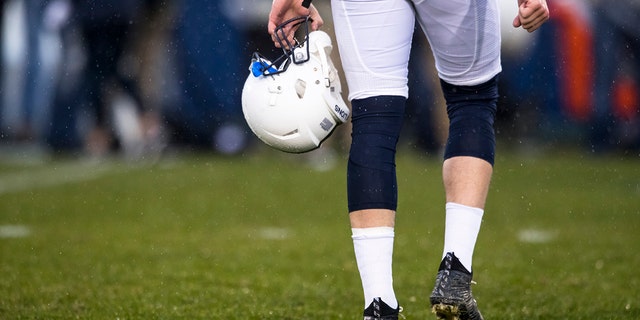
<point>374,253</point>
<point>461,231</point>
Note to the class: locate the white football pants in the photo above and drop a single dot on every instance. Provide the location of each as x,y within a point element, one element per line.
<point>374,39</point>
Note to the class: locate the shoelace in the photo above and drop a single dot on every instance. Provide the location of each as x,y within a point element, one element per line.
<point>400,315</point>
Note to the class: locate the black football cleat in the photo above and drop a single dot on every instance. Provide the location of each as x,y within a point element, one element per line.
<point>451,298</point>
<point>378,310</point>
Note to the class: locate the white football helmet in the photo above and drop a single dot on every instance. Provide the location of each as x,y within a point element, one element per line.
<point>297,105</point>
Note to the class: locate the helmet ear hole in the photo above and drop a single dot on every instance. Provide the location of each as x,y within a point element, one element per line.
<point>301,88</point>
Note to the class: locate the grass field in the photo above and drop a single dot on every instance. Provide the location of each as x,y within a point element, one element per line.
<point>266,237</point>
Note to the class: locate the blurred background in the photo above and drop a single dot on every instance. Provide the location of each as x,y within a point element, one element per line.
<point>100,219</point>
<point>141,78</point>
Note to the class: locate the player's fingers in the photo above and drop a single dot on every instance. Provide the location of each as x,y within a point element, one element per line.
<point>316,24</point>
<point>529,11</point>
<point>535,20</point>
<point>275,41</point>
<point>534,25</point>
<point>316,18</point>
<point>271,27</point>
<point>284,37</point>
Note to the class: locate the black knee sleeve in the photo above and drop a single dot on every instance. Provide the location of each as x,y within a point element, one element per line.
<point>471,111</point>
<point>371,171</point>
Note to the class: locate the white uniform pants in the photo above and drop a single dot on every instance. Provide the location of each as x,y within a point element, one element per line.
<point>374,38</point>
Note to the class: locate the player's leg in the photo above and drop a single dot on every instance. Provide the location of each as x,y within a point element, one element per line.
<point>374,38</point>
<point>468,163</point>
<point>467,172</point>
<point>465,39</point>
<point>372,195</point>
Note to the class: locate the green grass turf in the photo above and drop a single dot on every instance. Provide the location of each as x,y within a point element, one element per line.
<point>267,237</point>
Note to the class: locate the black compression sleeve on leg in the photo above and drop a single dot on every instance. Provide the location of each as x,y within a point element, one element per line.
<point>371,170</point>
<point>471,111</point>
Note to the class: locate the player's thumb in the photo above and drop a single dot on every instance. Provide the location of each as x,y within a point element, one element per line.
<point>317,23</point>
<point>516,22</point>
<point>271,27</point>
<point>316,19</point>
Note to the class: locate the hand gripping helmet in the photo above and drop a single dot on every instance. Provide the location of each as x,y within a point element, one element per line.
<point>297,105</point>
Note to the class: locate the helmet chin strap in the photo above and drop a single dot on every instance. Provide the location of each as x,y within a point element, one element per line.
<point>337,106</point>
<point>319,47</point>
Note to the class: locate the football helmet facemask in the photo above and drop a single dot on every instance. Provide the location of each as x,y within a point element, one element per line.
<point>293,104</point>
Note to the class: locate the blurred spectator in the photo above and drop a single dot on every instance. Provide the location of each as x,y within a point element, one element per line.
<point>104,108</point>
<point>545,96</point>
<point>211,72</point>
<point>616,122</point>
<point>192,58</point>
<point>517,106</point>
<point>31,43</point>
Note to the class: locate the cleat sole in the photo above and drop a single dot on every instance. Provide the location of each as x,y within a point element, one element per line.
<point>446,311</point>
